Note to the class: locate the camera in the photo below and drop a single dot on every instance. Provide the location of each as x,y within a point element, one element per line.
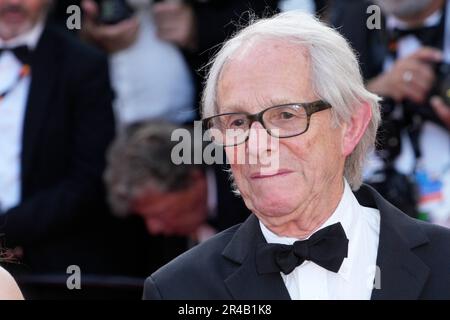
<point>114,11</point>
<point>441,88</point>
<point>442,85</point>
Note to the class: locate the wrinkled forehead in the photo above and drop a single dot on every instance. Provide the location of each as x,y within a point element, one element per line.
<point>264,72</point>
<point>265,46</point>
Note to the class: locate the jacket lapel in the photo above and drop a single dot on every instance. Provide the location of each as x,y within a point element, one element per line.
<point>401,273</point>
<point>245,283</point>
<point>43,70</point>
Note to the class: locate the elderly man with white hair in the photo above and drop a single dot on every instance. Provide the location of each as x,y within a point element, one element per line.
<point>288,91</point>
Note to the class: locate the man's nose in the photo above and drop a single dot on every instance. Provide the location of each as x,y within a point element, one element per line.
<point>259,141</point>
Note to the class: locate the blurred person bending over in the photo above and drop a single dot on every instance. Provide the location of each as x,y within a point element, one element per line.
<point>142,179</point>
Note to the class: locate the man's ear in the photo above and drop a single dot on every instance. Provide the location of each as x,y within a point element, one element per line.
<point>356,127</point>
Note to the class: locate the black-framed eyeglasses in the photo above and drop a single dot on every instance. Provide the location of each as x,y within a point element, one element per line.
<point>281,121</point>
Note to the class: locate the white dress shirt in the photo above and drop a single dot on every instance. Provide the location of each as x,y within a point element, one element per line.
<point>151,77</point>
<point>12,112</point>
<point>356,276</point>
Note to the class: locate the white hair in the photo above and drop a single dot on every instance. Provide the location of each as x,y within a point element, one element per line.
<point>335,72</point>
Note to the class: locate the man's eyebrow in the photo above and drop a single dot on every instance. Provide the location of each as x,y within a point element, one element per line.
<point>279,101</point>
<point>233,108</point>
<point>240,107</point>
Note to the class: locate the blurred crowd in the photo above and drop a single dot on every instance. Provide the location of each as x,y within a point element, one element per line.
<point>86,117</point>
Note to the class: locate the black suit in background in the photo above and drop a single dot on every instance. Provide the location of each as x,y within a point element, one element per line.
<point>62,219</point>
<point>413,257</point>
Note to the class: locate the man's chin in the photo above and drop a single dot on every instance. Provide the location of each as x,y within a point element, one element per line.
<point>274,204</point>
<point>279,188</point>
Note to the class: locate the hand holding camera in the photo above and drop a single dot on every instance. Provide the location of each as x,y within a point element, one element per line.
<point>109,25</point>
<point>410,78</point>
<point>421,78</point>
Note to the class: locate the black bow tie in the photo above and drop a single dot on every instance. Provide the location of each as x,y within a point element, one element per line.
<point>426,35</point>
<point>327,248</point>
<point>22,53</point>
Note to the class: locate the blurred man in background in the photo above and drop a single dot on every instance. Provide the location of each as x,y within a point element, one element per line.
<point>56,121</point>
<point>142,179</point>
<point>402,62</point>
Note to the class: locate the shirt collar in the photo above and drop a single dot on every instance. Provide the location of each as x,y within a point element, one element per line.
<point>393,22</point>
<point>346,213</point>
<point>29,38</point>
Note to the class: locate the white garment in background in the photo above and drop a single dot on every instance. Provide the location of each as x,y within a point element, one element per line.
<point>151,78</point>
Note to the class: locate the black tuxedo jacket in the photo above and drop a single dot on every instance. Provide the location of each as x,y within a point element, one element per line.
<point>413,257</point>
<point>62,218</point>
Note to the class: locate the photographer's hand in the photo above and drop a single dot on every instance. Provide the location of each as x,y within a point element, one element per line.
<point>111,38</point>
<point>410,78</point>
<point>442,110</point>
